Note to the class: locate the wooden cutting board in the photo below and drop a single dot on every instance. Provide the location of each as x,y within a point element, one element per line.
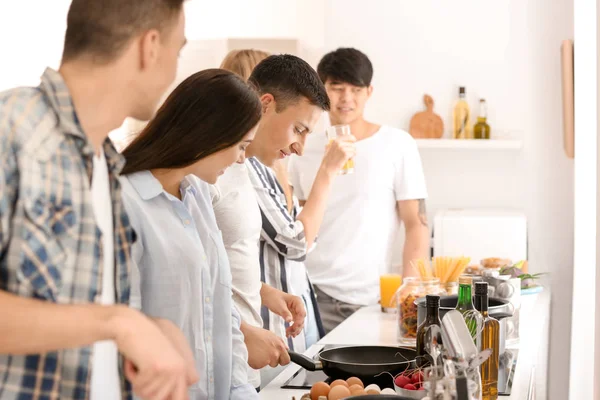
<point>426,124</point>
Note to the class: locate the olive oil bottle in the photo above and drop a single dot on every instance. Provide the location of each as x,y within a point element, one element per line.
<point>461,117</point>
<point>488,339</point>
<point>482,130</point>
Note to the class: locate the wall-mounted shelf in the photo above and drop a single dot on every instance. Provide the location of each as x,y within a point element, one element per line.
<point>472,144</point>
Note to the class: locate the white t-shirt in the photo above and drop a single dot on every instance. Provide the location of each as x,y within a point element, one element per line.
<point>238,218</point>
<point>105,381</point>
<point>361,220</point>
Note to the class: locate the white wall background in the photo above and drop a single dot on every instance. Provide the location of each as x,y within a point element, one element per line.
<point>506,51</point>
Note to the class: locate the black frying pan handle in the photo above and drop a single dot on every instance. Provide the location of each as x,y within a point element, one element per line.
<point>305,362</point>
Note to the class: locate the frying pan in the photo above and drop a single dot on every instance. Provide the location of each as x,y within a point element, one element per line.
<point>368,363</point>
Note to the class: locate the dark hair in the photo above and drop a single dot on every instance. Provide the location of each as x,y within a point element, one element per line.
<point>102,28</point>
<point>289,78</point>
<point>208,112</point>
<point>346,65</point>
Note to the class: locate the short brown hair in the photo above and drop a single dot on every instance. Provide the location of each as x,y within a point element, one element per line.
<point>242,62</point>
<point>289,78</point>
<point>102,28</point>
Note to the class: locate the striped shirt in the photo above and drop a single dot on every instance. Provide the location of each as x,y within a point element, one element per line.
<point>282,249</point>
<point>50,245</point>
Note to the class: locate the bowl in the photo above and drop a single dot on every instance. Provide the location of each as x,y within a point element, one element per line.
<point>410,394</point>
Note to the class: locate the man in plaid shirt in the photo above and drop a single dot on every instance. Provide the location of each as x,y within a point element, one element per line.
<point>66,330</point>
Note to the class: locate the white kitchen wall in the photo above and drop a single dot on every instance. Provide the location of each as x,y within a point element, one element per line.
<point>508,53</point>
<point>31,38</point>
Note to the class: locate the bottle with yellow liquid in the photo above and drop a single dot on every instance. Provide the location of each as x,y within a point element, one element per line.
<point>461,118</point>
<point>482,130</point>
<point>489,338</point>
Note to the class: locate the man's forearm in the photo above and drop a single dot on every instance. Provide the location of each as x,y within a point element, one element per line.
<point>313,208</point>
<point>416,246</point>
<point>32,326</point>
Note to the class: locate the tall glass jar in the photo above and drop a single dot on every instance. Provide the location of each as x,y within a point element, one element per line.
<point>411,290</point>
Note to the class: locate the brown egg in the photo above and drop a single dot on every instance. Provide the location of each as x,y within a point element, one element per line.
<point>354,381</point>
<point>319,389</point>
<point>339,392</point>
<point>356,388</point>
<point>360,393</point>
<point>373,391</point>
<point>339,382</point>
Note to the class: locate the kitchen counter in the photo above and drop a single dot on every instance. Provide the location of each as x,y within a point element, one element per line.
<point>369,326</point>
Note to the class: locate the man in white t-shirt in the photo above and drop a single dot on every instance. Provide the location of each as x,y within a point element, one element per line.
<point>365,208</point>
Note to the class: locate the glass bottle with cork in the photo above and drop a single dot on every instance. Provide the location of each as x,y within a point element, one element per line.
<point>488,339</point>
<point>433,318</point>
<point>461,117</point>
<point>482,130</point>
<point>464,304</point>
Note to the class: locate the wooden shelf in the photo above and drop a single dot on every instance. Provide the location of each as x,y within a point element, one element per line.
<point>471,144</point>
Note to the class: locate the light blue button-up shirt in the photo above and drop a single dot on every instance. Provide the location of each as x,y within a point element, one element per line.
<point>182,274</point>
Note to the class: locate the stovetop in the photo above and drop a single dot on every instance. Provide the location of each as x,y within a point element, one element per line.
<point>304,379</point>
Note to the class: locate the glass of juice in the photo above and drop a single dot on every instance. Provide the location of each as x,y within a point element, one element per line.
<point>332,133</point>
<point>389,285</point>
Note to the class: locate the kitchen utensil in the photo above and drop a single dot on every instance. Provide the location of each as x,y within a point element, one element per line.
<point>457,337</point>
<point>462,392</point>
<point>426,124</point>
<point>433,343</point>
<point>369,363</point>
<point>480,358</point>
<point>448,303</point>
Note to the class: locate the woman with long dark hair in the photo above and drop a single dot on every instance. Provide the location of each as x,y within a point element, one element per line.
<point>182,272</point>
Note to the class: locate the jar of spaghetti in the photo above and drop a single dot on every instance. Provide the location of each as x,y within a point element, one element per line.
<point>411,290</point>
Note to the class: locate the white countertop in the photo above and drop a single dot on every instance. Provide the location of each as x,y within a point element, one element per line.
<point>369,326</point>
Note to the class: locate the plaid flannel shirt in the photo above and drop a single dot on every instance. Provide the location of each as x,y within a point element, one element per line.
<point>50,245</point>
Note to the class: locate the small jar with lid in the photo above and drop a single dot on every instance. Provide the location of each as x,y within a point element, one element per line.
<point>411,290</point>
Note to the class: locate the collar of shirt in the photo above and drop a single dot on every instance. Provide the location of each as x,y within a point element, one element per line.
<point>148,187</point>
<point>59,97</point>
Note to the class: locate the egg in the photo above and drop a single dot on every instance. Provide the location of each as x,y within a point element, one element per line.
<point>388,391</point>
<point>354,381</point>
<point>360,393</point>
<point>339,382</point>
<point>339,392</point>
<point>356,388</point>
<point>319,389</point>
<point>373,389</point>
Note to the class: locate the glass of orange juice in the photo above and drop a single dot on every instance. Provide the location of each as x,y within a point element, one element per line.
<point>389,285</point>
<point>341,130</point>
